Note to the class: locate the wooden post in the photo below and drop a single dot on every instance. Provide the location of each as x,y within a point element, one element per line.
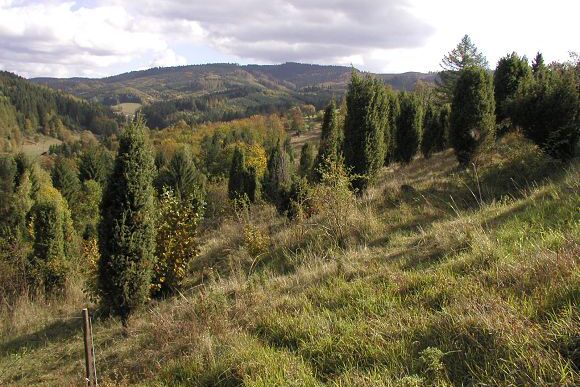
<point>89,355</point>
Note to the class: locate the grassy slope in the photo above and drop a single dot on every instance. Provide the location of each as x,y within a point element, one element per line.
<point>462,279</point>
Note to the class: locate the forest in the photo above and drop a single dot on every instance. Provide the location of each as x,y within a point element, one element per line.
<point>373,237</point>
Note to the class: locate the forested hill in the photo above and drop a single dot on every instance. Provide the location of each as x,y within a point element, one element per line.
<point>27,109</point>
<point>215,92</point>
<point>162,82</point>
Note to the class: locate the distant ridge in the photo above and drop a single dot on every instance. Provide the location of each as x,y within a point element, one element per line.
<point>222,91</point>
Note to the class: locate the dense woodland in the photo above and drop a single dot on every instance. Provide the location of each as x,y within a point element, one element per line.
<point>28,109</point>
<point>126,211</point>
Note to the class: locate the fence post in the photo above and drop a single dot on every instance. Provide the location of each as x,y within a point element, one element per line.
<point>88,339</point>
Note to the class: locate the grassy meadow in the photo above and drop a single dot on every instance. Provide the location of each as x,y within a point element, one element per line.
<point>437,276</point>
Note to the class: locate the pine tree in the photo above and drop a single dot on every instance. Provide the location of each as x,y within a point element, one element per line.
<point>65,178</point>
<point>409,127</point>
<point>364,129</point>
<point>472,113</point>
<point>511,70</point>
<point>127,229</point>
<point>464,55</point>
<point>277,178</point>
<point>306,160</point>
<point>331,138</point>
<point>538,66</point>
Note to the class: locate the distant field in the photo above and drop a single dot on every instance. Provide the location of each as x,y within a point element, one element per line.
<point>128,108</point>
<point>35,147</point>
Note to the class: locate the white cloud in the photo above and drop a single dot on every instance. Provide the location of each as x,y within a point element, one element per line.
<point>101,37</point>
<point>168,58</point>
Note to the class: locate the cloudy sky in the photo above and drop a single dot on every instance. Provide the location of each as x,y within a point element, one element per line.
<point>104,37</point>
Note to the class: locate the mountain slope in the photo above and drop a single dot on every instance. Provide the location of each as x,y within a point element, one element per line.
<point>214,92</point>
<point>28,109</point>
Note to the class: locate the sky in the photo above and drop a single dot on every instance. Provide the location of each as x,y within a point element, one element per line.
<point>95,38</point>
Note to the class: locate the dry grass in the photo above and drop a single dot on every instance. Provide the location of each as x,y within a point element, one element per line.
<point>460,280</point>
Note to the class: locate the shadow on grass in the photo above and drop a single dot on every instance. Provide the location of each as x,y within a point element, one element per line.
<point>56,331</point>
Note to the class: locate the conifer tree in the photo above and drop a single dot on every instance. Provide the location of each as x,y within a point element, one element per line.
<point>252,184</point>
<point>433,139</point>
<point>331,138</point>
<point>364,129</point>
<point>95,164</point>
<point>547,108</point>
<point>472,113</point>
<point>277,178</point>
<point>511,70</point>
<point>409,127</point>
<point>181,176</point>
<point>538,65</point>
<point>65,178</point>
<point>237,180</point>
<point>306,160</point>
<point>464,55</point>
<point>127,228</point>
<point>390,137</point>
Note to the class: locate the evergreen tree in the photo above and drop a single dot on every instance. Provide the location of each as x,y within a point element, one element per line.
<point>508,76</point>
<point>538,65</point>
<point>95,164</point>
<point>409,127</point>
<point>181,176</point>
<point>277,177</point>
<point>391,133</point>
<point>364,129</point>
<point>65,178</point>
<point>330,140</point>
<point>472,113</point>
<point>244,178</point>
<point>464,55</point>
<point>252,184</point>
<point>306,160</point>
<point>433,138</point>
<point>238,172</point>
<point>127,230</point>
<point>547,108</point>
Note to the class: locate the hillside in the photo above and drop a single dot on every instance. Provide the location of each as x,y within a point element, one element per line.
<point>28,110</point>
<point>437,276</point>
<point>215,92</point>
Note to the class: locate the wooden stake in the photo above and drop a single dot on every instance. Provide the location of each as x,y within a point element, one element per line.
<point>89,355</point>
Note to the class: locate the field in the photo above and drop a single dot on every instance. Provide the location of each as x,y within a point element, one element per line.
<point>436,276</point>
<point>127,109</point>
<point>38,145</point>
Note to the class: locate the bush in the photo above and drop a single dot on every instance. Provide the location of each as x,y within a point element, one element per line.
<point>546,107</point>
<point>177,245</point>
<point>51,231</point>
